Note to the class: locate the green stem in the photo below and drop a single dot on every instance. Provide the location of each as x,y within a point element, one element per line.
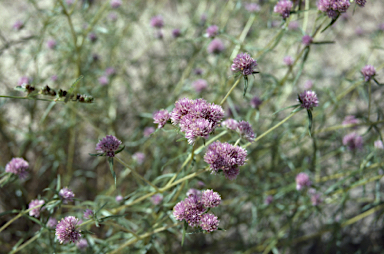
<point>369,102</point>
<point>25,244</point>
<point>237,142</point>
<point>230,91</point>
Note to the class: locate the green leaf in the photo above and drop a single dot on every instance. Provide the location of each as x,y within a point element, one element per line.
<point>98,210</point>
<point>110,161</point>
<point>332,22</point>
<point>245,85</point>
<point>96,154</point>
<point>74,84</point>
<point>293,106</point>
<point>20,88</point>
<point>58,185</point>
<point>119,151</point>
<point>181,139</point>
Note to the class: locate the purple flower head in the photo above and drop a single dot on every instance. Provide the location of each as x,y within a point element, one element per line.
<point>361,3</point>
<point>112,16</point>
<point>224,156</point>
<point>139,157</point>
<point>293,25</point>
<point>17,166</point>
<point>378,144</point>
<point>308,85</point>
<point>256,102</point>
<point>232,173</point>
<point>88,213</point>
<point>252,7</point>
<point>210,198</point>
<point>156,199</point>
<point>195,127</point>
<point>283,7</point>
<point>245,130</point>
<point>308,99</point>
<point>288,60</point>
<point>148,131</point>
<point>92,37</point>
<point>110,71</point>
<point>189,210</point>
<point>182,108</point>
<point>115,4</point>
<point>109,145</point>
<point>333,7</point>
<point>68,230</point>
<point>199,85</point>
<point>18,25</point>
<point>51,223</point>
<point>157,22</point>
<point>350,120</point>
<point>161,117</point>
<point>54,78</point>
<point>215,47</point>
<point>51,44</point>
<point>82,244</point>
<point>119,198</point>
<point>35,212</point>
<point>316,199</point>
<point>302,180</point>
<point>179,211</point>
<point>307,40</point>
<point>103,80</point>
<point>212,31</point>
<point>353,141</point>
<point>176,33</point>
<point>24,81</point>
<point>268,200</point>
<point>209,222</point>
<point>244,64</point>
<point>67,195</point>
<point>368,71</point>
<point>230,124</point>
<point>194,192</point>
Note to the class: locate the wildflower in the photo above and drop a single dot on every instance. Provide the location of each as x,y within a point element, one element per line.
<point>368,71</point>
<point>288,60</point>
<point>189,210</point>
<point>17,166</point>
<point>67,195</point>
<point>353,141</point>
<point>302,180</point>
<point>176,33</point>
<point>148,131</point>
<point>161,117</point>
<point>51,44</point>
<point>139,157</point>
<point>119,198</point>
<point>232,173</point>
<point>333,7</point>
<point>308,99</point>
<point>35,212</point>
<point>284,8</point>
<point>378,144</point>
<point>244,64</point>
<point>230,124</point>
<point>18,25</point>
<point>156,199</point>
<point>115,4</point>
<point>82,244</point>
<point>252,7</point>
<point>226,157</point>
<point>216,47</point>
<point>67,230</point>
<point>103,80</point>
<point>109,145</point>
<point>88,213</point>
<point>245,130</point>
<point>199,85</point>
<point>212,31</point>
<point>157,22</point>
<point>361,3</point>
<point>51,223</point>
<point>350,120</point>
<point>209,222</point>
<point>316,199</point>
<point>256,102</point>
<point>92,37</point>
<point>210,198</point>
<point>110,71</point>
<point>307,40</point>
<point>268,200</point>
<point>24,81</point>
<point>308,84</point>
<point>194,192</point>
<point>54,78</point>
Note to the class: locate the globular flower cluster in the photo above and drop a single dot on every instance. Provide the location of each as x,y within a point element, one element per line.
<point>353,141</point>
<point>256,102</point>
<point>157,22</point>
<point>225,157</point>
<point>350,120</point>
<point>161,117</point>
<point>88,213</point>
<point>109,145</point>
<point>231,124</point>
<point>244,64</point>
<point>156,199</point>
<point>333,7</point>
<point>215,47</point>
<point>302,180</point>
<point>193,210</point>
<point>67,230</point>
<point>368,71</point>
<point>307,40</point>
<point>361,3</point>
<point>17,166</point>
<point>308,99</point>
<point>51,223</point>
<point>283,7</point>
<point>196,118</point>
<point>35,212</point>
<point>212,31</point>
<point>66,194</point>
<point>245,130</point>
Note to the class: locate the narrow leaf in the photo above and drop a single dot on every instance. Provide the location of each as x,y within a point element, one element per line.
<point>110,161</point>
<point>309,122</point>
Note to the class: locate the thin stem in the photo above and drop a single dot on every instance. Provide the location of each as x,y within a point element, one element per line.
<point>25,244</point>
<point>137,174</point>
<point>230,91</point>
<point>369,102</point>
<point>237,141</point>
<point>243,35</point>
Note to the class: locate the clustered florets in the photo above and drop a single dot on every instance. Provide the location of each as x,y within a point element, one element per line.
<point>244,64</point>
<point>66,194</point>
<point>308,99</point>
<point>161,117</point>
<point>35,212</point>
<point>193,210</point>
<point>231,124</point>
<point>369,72</point>
<point>333,7</point>
<point>353,141</point>
<point>196,118</point>
<point>212,31</point>
<point>225,157</point>
<point>109,145</point>
<point>361,3</point>
<point>283,7</point>
<point>17,166</point>
<point>216,46</point>
<point>302,180</point>
<point>67,230</point>
<point>243,128</point>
